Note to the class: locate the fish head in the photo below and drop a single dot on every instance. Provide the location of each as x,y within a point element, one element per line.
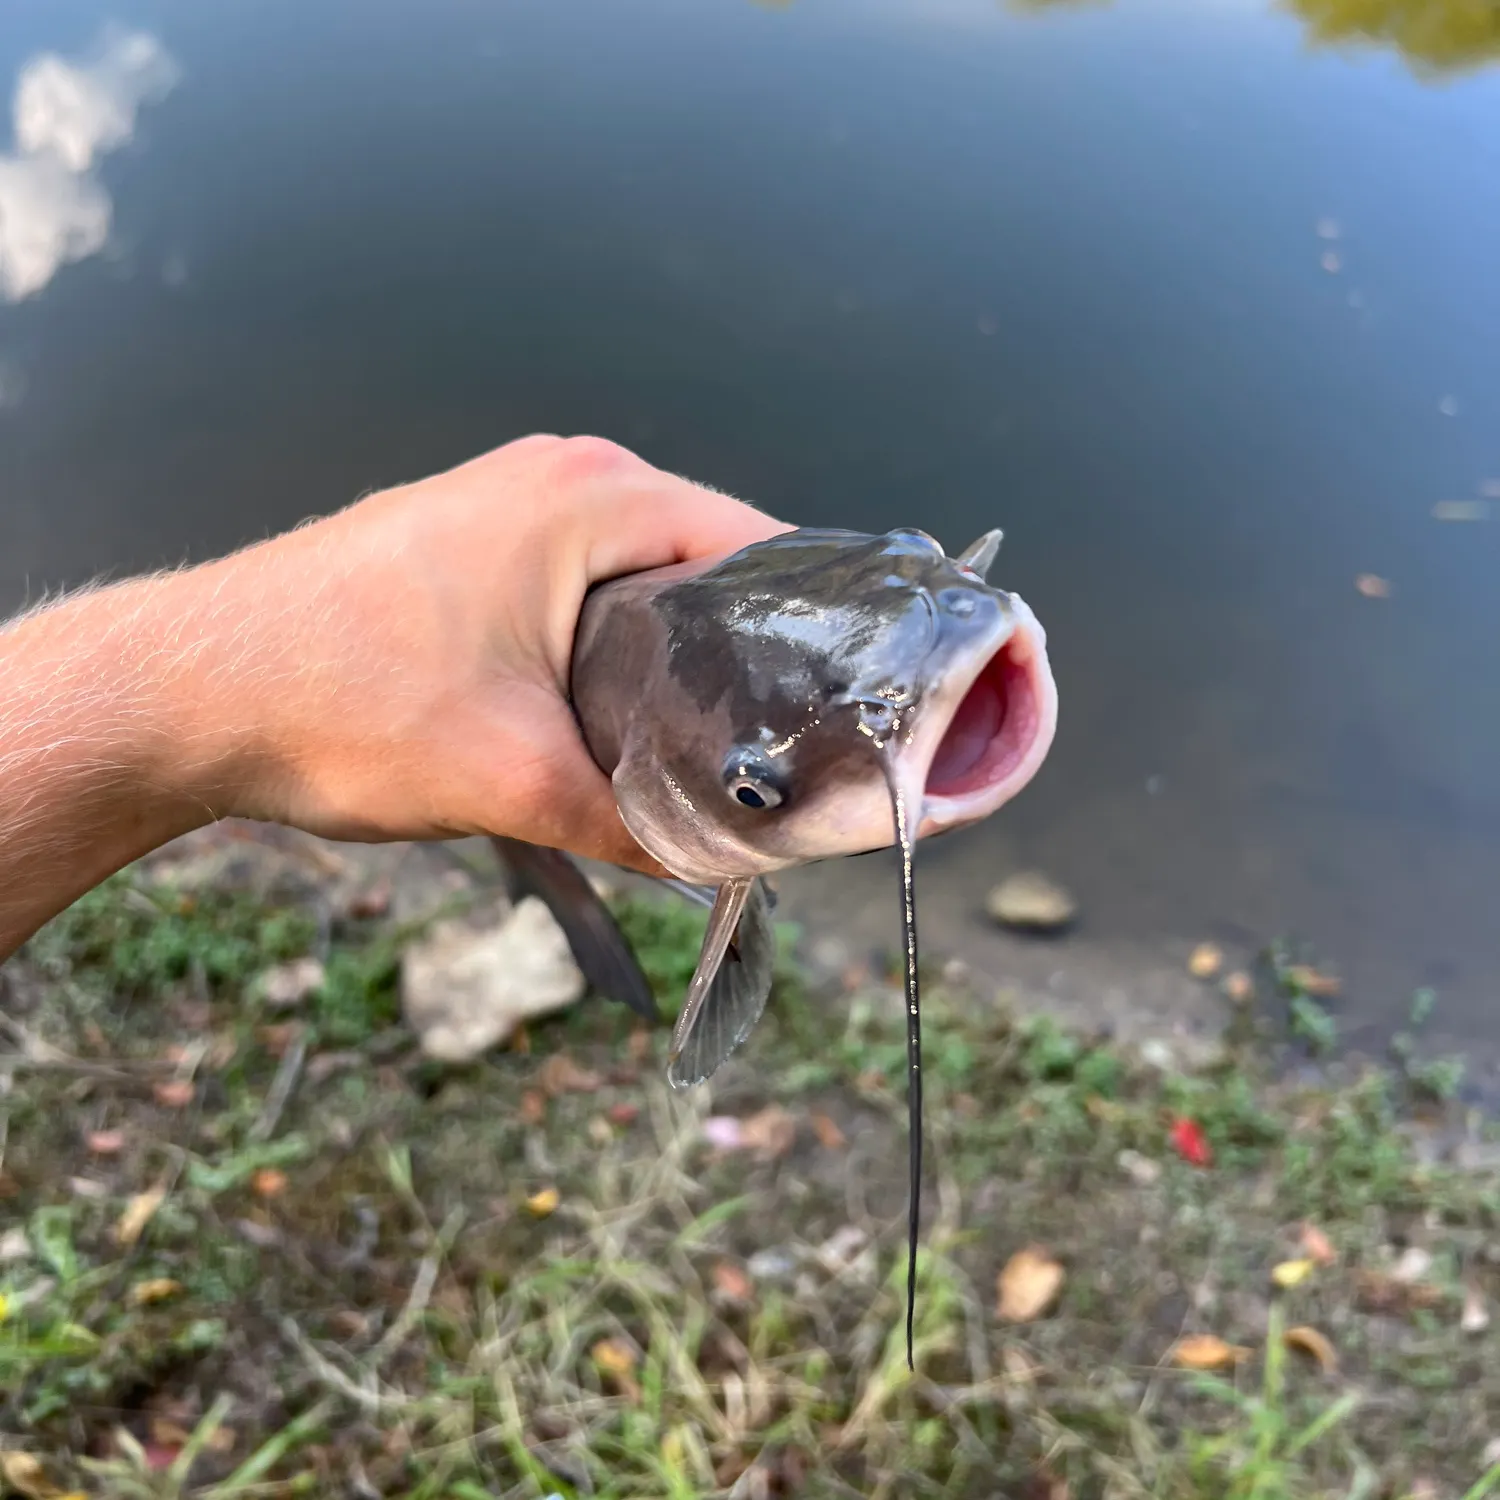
<point>808,679</point>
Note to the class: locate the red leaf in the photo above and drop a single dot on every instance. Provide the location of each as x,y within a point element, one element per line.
<point>1190,1142</point>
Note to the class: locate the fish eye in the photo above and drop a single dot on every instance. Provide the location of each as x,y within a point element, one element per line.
<point>752,785</point>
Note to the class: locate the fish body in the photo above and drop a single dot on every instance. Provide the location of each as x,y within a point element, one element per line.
<point>819,694</point>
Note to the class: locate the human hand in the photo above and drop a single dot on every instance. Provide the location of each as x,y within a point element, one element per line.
<point>400,668</point>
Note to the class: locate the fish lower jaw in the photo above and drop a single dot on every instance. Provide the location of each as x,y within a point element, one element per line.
<point>997,738</point>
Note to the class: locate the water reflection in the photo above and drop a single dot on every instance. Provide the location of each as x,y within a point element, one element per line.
<point>1436,35</point>
<point>68,115</point>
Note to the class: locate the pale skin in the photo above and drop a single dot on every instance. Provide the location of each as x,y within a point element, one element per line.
<point>395,671</point>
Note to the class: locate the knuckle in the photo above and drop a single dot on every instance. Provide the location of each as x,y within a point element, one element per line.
<point>585,458</point>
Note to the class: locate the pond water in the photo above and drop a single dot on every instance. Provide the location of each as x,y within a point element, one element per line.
<point>1204,314</point>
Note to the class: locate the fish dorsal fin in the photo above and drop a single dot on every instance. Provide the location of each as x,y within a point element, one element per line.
<point>728,992</point>
<point>979,556</point>
<point>599,947</point>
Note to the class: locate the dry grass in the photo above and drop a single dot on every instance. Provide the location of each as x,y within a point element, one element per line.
<point>394,1314</point>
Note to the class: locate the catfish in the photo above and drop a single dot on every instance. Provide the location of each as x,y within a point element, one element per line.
<point>819,694</point>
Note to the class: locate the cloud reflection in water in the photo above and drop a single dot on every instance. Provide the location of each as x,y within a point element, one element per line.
<point>68,115</point>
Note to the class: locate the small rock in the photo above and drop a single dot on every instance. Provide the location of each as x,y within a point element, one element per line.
<point>771,1265</point>
<point>1414,1264</point>
<point>1239,987</point>
<point>1156,1053</point>
<point>1032,901</point>
<point>1476,1316</point>
<point>465,990</point>
<point>289,984</point>
<point>1138,1168</point>
<point>1491,1455</point>
<point>14,1245</point>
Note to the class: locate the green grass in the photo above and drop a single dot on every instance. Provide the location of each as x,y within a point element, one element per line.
<point>395,1316</point>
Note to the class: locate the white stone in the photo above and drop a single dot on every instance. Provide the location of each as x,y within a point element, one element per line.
<point>464,990</point>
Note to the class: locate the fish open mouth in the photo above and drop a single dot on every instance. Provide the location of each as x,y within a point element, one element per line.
<point>998,735</point>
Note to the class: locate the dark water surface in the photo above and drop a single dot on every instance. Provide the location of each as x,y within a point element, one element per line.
<point>1206,317</point>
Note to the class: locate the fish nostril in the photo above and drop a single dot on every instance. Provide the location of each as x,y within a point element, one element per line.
<point>959,602</point>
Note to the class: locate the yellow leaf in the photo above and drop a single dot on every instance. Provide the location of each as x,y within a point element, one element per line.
<point>614,1356</point>
<point>1206,1351</point>
<point>23,1473</point>
<point>157,1290</point>
<point>1292,1273</point>
<point>4,1307</point>
<point>1205,961</point>
<point>1310,1341</point>
<point>544,1202</point>
<point>1028,1284</point>
<point>137,1215</point>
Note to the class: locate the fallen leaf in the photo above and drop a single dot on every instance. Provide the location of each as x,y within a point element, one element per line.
<point>137,1215</point>
<point>561,1075</point>
<point>1476,1316</point>
<point>375,902</point>
<point>105,1142</point>
<point>1239,987</point>
<point>1138,1168</point>
<point>1378,1292</point>
<point>1190,1143</point>
<point>1319,985</point>
<point>160,1456</point>
<point>9,1187</point>
<point>220,1054</point>
<point>825,1127</point>
<point>723,1131</point>
<point>278,1036</point>
<point>1207,1351</point>
<point>770,1132</point>
<point>624,1114</point>
<point>533,1107</point>
<point>1028,1284</point>
<point>23,1472</point>
<point>1310,1342</point>
<point>1317,1246</point>
<point>268,1182</point>
<point>168,1433</point>
<point>1372,586</point>
<point>544,1202</point>
<point>732,1282</point>
<point>1205,961</point>
<point>156,1290</point>
<point>289,984</point>
<point>520,1040</point>
<point>615,1358</point>
<point>1290,1273</point>
<point>174,1093</point>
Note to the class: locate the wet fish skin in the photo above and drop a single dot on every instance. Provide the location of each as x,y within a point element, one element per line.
<point>818,694</point>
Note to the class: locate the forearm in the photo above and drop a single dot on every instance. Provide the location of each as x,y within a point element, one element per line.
<point>104,754</point>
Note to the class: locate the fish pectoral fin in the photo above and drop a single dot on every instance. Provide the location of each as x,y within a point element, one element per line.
<point>599,947</point>
<point>725,999</point>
